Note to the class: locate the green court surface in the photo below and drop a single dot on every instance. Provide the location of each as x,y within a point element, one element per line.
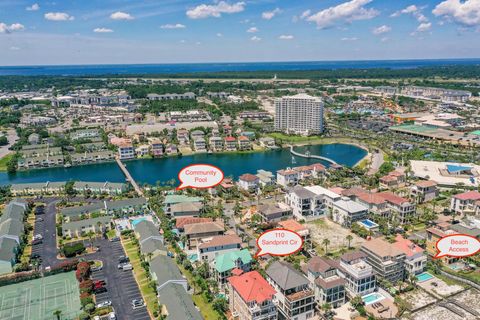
<point>38,299</point>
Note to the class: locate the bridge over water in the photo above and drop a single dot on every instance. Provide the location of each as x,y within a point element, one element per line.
<point>129,177</point>
<point>308,155</point>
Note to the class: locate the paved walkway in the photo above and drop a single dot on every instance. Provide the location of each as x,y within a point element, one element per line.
<point>312,156</point>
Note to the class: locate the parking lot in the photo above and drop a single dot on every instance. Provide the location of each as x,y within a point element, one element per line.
<point>121,285</point>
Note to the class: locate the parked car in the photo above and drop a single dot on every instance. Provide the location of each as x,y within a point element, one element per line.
<point>123,259</point>
<point>100,283</point>
<point>37,241</point>
<point>127,267</point>
<point>104,304</point>
<point>137,303</point>
<point>115,239</point>
<point>35,256</point>
<point>37,237</point>
<point>93,269</point>
<point>99,290</point>
<point>39,219</point>
<point>112,316</point>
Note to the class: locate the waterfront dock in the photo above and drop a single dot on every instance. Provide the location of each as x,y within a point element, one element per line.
<point>312,156</point>
<point>129,177</point>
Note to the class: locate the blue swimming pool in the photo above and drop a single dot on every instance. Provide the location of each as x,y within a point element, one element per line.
<point>424,277</point>
<point>372,298</point>
<point>369,224</point>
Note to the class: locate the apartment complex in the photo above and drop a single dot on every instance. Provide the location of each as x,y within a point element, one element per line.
<point>387,260</point>
<point>299,114</point>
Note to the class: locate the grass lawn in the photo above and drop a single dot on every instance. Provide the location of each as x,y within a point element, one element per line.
<point>111,233</point>
<point>205,308</point>
<point>27,251</point>
<point>4,161</point>
<point>294,139</point>
<point>140,275</point>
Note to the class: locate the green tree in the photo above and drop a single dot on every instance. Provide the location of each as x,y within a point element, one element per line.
<point>326,242</point>
<point>349,238</point>
<point>57,314</point>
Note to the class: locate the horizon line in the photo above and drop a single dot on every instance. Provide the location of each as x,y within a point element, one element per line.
<point>234,62</point>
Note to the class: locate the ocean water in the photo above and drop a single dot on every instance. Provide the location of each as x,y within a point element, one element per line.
<point>142,69</point>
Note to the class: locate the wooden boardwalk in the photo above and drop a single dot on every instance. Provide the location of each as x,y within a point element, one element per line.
<point>129,177</point>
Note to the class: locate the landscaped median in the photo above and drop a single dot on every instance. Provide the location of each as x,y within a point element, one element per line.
<point>140,274</point>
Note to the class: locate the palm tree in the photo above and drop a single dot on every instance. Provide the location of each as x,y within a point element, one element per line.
<point>349,238</point>
<point>326,242</point>
<point>57,314</point>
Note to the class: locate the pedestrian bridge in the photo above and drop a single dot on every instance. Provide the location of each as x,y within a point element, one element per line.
<point>308,155</point>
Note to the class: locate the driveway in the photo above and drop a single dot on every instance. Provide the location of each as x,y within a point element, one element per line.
<point>121,285</point>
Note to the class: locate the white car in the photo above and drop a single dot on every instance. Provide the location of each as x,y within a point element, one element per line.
<point>112,316</point>
<point>37,237</point>
<point>104,304</point>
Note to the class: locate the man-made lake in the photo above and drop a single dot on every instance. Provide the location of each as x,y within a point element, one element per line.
<point>152,170</point>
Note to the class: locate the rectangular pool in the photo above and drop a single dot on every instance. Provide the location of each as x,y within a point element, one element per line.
<point>422,277</point>
<point>372,298</point>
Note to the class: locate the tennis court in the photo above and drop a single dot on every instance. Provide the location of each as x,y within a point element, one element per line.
<point>38,299</point>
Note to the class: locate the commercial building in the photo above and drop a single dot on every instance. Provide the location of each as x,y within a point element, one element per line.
<point>299,114</point>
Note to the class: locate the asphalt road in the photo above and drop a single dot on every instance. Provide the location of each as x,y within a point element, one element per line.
<point>121,285</point>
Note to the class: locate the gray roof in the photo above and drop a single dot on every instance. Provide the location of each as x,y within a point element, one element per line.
<point>8,249</point>
<point>285,275</point>
<point>149,237</point>
<point>79,210</point>
<point>77,225</point>
<point>14,211</point>
<point>146,229</point>
<point>11,227</point>
<point>474,232</point>
<point>303,193</point>
<point>178,303</point>
<point>151,245</point>
<point>186,207</point>
<point>120,204</point>
<point>164,269</point>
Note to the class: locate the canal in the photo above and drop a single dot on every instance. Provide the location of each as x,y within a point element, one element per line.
<point>152,170</point>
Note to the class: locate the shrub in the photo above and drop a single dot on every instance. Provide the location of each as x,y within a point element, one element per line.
<point>73,249</point>
<point>84,316</point>
<point>89,307</point>
<point>83,271</point>
<point>86,300</point>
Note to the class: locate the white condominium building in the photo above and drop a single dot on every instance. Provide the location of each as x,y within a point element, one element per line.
<point>299,114</point>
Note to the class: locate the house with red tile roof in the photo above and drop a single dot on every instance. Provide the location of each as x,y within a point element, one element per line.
<point>180,222</point>
<point>211,247</point>
<point>249,182</point>
<point>230,144</point>
<point>251,297</point>
<point>416,259</point>
<point>244,143</point>
<point>466,203</point>
<point>402,208</point>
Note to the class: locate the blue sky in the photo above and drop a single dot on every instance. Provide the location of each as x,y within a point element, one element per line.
<point>168,31</point>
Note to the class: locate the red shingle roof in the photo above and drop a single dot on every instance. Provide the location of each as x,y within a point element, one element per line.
<point>248,177</point>
<point>470,195</point>
<point>251,286</point>
<point>392,198</point>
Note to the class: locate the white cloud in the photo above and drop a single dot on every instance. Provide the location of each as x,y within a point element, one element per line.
<point>33,7</point>
<point>119,15</point>
<point>5,28</point>
<point>414,11</point>
<point>215,10</point>
<point>102,30</point>
<point>305,14</point>
<point>466,13</point>
<point>255,38</point>
<point>219,35</point>
<point>267,15</point>
<point>13,48</point>
<point>384,39</point>
<point>349,39</point>
<point>381,30</point>
<point>173,26</point>
<point>345,12</point>
<point>424,27</point>
<point>58,16</point>
<point>252,30</point>
<point>286,37</point>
